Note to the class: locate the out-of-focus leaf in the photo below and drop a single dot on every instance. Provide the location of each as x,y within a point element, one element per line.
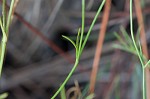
<point>91,96</point>
<point>4,95</point>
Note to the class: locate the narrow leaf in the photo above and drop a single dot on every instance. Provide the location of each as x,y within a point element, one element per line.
<point>71,41</point>
<point>10,15</point>
<point>126,36</point>
<point>4,96</point>
<point>92,25</point>
<point>4,13</point>
<point>120,39</point>
<point>124,48</point>
<point>3,31</point>
<point>63,93</point>
<point>77,43</point>
<point>82,29</point>
<point>147,64</point>
<point>91,96</point>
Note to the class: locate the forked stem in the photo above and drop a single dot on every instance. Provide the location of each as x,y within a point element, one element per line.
<point>5,27</point>
<point>138,52</point>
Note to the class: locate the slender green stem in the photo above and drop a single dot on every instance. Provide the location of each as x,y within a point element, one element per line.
<point>80,43</point>
<point>2,56</point>
<point>9,15</point>
<point>131,29</point>
<point>3,47</point>
<point>139,55</point>
<point>143,83</point>
<point>5,27</point>
<point>82,29</point>
<point>4,13</point>
<point>66,80</point>
<point>93,22</point>
<point>147,64</point>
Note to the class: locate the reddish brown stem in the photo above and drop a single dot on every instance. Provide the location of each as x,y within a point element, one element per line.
<point>144,43</point>
<point>99,46</point>
<point>45,39</point>
<point>50,43</point>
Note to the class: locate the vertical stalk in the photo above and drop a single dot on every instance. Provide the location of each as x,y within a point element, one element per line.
<point>139,14</point>
<point>99,46</point>
<point>2,56</point>
<point>143,40</point>
<point>4,24</point>
<point>143,71</point>
<point>3,46</point>
<point>9,16</point>
<point>4,12</point>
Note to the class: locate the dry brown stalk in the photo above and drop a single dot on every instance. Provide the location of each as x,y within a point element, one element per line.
<point>99,45</point>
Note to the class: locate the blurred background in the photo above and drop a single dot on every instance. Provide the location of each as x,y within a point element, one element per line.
<point>38,59</point>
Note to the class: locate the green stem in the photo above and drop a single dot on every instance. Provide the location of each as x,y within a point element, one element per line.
<point>66,80</point>
<point>9,15</point>
<point>3,46</point>
<point>131,29</point>
<point>144,83</point>
<point>93,22</point>
<point>142,62</point>
<point>2,56</point>
<point>4,13</point>
<point>82,29</point>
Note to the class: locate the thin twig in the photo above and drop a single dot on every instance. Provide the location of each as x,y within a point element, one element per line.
<point>35,44</point>
<point>45,39</point>
<point>99,45</point>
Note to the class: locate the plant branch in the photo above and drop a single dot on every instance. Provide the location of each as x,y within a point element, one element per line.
<point>66,80</point>
<point>143,43</point>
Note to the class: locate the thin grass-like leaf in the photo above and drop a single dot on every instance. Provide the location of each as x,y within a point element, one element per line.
<point>117,46</point>
<point>4,38</point>
<point>9,15</point>
<point>120,39</point>
<point>71,41</point>
<point>63,93</point>
<point>77,43</point>
<point>91,26</point>
<point>147,64</point>
<point>4,13</point>
<point>126,36</point>
<point>91,96</point>
<point>82,29</point>
<point>85,91</point>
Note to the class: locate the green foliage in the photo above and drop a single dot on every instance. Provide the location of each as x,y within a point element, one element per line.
<point>133,46</point>
<point>4,96</point>
<point>91,96</point>
<point>4,24</point>
<point>126,42</point>
<point>80,43</point>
